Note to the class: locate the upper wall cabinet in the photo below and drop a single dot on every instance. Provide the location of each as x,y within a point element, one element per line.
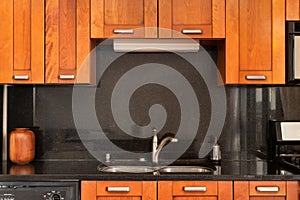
<point>292,10</point>
<point>123,18</point>
<point>195,18</point>
<point>140,18</point>
<point>22,41</point>
<point>255,42</point>
<point>67,41</point>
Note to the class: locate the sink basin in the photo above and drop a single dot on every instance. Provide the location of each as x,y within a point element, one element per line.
<point>150,169</point>
<point>186,169</point>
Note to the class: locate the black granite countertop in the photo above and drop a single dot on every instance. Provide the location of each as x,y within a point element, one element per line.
<point>228,169</point>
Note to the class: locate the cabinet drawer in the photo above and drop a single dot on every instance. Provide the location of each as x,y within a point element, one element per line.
<point>256,77</point>
<point>124,31</point>
<point>193,31</point>
<point>267,188</point>
<point>124,188</point>
<point>187,188</point>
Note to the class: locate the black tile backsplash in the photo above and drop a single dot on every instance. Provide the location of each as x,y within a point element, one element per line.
<point>48,110</point>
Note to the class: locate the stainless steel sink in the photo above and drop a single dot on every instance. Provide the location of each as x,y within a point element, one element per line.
<point>186,169</point>
<point>150,169</point>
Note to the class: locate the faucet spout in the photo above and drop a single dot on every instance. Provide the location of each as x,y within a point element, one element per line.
<point>158,148</point>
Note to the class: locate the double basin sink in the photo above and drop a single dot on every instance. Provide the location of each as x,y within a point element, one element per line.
<point>171,169</point>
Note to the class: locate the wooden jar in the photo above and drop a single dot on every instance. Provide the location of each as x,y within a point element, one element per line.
<point>21,146</point>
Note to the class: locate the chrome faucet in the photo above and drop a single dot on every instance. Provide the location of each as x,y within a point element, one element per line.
<point>156,148</point>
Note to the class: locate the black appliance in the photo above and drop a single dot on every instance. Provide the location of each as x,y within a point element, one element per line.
<point>65,190</point>
<point>284,144</point>
<point>293,51</point>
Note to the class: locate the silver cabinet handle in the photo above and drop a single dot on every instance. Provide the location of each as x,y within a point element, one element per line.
<point>192,31</point>
<point>123,31</point>
<point>256,77</point>
<point>20,77</point>
<point>66,77</point>
<point>118,189</point>
<point>195,189</point>
<point>267,189</point>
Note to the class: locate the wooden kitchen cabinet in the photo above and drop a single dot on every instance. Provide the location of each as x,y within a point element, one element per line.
<point>123,18</point>
<point>195,18</point>
<point>118,190</point>
<point>255,42</point>
<point>262,190</point>
<point>67,42</point>
<point>191,190</point>
<point>292,10</point>
<point>22,41</point>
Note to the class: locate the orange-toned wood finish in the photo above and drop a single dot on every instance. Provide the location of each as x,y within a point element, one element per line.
<point>108,16</point>
<point>139,190</point>
<point>67,41</point>
<point>292,10</point>
<point>246,190</point>
<point>22,41</point>
<point>205,15</point>
<point>255,41</point>
<point>174,190</point>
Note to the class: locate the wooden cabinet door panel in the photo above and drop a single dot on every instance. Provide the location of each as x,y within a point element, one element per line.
<point>267,198</point>
<point>292,10</point>
<point>108,17</point>
<point>255,34</point>
<point>196,198</point>
<point>119,198</point>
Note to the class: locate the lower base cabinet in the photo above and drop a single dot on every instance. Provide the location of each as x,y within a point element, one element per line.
<point>156,190</point>
<point>266,190</point>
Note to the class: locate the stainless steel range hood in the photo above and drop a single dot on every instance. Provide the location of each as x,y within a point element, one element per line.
<point>156,45</point>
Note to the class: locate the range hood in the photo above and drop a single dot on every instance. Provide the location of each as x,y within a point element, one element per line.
<point>156,45</point>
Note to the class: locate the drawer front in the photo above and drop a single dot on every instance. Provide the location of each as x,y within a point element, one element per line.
<point>255,77</point>
<point>267,188</point>
<point>124,31</point>
<point>192,188</point>
<point>193,31</point>
<point>124,188</point>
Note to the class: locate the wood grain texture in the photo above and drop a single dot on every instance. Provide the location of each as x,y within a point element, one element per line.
<point>211,188</point>
<point>88,190</point>
<point>67,34</point>
<point>292,10</point>
<point>22,34</point>
<point>52,42</point>
<point>267,198</point>
<point>218,18</point>
<point>165,18</point>
<point>6,41</point>
<point>97,18</point>
<point>37,41</point>
<point>197,198</point>
<point>292,190</point>
<point>85,69</point>
<point>280,184</point>
<point>225,190</point>
<point>231,75</point>
<point>165,190</point>
<point>149,190</point>
<point>205,28</point>
<point>278,42</point>
<point>150,16</point>
<point>255,34</point>
<point>241,190</point>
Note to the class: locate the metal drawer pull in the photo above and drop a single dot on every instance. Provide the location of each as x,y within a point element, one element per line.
<point>21,77</point>
<point>67,77</point>
<point>192,31</point>
<point>195,189</point>
<point>256,77</point>
<point>118,189</point>
<point>267,189</point>
<point>123,31</point>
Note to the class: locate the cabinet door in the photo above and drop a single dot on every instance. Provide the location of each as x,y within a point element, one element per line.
<point>192,190</point>
<point>22,41</point>
<point>255,42</point>
<point>123,18</point>
<point>292,10</point>
<point>195,18</point>
<point>118,190</point>
<point>67,40</point>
